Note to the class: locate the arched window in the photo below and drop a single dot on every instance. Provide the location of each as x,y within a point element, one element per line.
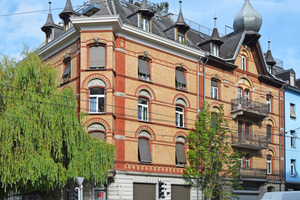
<point>180,113</point>
<point>270,189</point>
<point>269,103</point>
<point>269,162</point>
<point>244,60</point>
<point>97,130</point>
<point>143,105</point>
<point>214,89</point>
<point>144,153</point>
<point>180,152</point>
<point>96,96</point>
<point>97,57</point>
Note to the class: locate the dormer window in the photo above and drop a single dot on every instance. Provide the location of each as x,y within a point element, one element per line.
<point>67,25</point>
<point>145,24</point>
<point>181,38</point>
<point>49,37</point>
<point>215,50</point>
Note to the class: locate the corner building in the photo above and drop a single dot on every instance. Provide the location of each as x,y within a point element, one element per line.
<point>139,80</point>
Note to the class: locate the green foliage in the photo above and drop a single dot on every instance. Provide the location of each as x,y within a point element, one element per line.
<point>212,161</point>
<point>43,145</point>
<point>161,8</point>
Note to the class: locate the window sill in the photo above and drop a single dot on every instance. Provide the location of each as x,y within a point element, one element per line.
<point>97,69</point>
<point>182,90</point>
<point>182,128</point>
<point>145,163</point>
<point>148,122</point>
<point>64,81</point>
<point>294,147</point>
<point>180,165</point>
<point>293,176</point>
<point>147,81</point>
<point>98,113</point>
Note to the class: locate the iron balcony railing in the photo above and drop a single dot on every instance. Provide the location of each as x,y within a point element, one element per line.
<point>249,105</point>
<point>251,173</point>
<point>249,141</point>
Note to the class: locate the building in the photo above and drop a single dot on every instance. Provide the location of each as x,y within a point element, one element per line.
<point>292,124</point>
<point>141,78</point>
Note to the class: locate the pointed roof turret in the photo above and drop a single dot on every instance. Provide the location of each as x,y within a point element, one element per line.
<point>49,23</point>
<point>215,37</point>
<point>269,58</point>
<point>68,11</point>
<point>180,23</point>
<point>146,10</point>
<point>247,19</point>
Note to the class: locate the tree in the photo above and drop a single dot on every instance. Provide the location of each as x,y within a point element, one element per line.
<point>212,163</point>
<point>43,144</point>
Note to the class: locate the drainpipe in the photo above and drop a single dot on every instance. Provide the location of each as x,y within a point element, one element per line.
<point>280,175</point>
<point>207,54</point>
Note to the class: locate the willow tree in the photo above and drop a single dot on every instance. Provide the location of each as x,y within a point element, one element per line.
<point>213,165</point>
<point>43,145</point>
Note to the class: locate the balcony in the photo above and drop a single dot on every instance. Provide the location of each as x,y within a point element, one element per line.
<point>251,174</point>
<point>249,141</point>
<point>243,107</point>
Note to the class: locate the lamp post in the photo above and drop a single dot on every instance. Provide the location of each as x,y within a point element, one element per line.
<point>79,181</point>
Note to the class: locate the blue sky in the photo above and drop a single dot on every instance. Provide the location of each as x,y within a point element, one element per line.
<point>280,23</point>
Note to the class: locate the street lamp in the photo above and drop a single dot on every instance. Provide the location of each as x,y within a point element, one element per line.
<point>79,181</point>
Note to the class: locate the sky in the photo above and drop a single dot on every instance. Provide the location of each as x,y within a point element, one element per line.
<point>280,23</point>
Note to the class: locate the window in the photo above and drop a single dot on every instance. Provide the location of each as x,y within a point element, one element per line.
<point>145,191</point>
<point>269,133</point>
<point>293,138</point>
<point>96,57</point>
<point>215,50</point>
<point>180,79</point>
<point>270,189</point>
<point>144,154</point>
<point>67,71</point>
<point>122,2</point>
<point>214,89</point>
<point>243,63</point>
<point>143,69</point>
<point>244,131</point>
<point>247,162</point>
<point>97,100</point>
<point>181,38</point>
<point>180,152</point>
<point>145,24</point>
<point>179,116</point>
<point>292,111</point>
<point>143,110</point>
<point>268,102</point>
<point>240,162</point>
<point>67,25</point>
<point>180,192</point>
<point>247,94</point>
<point>214,120</point>
<point>97,130</point>
<point>269,164</point>
<point>293,171</point>
<point>49,37</point>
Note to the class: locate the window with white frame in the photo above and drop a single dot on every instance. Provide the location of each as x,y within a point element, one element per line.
<point>247,94</point>
<point>145,24</point>
<point>214,89</point>
<point>143,109</point>
<point>49,37</point>
<point>293,171</point>
<point>268,102</point>
<point>181,38</point>
<point>215,50</point>
<point>293,138</point>
<point>240,162</point>
<point>243,63</point>
<point>269,164</point>
<point>179,116</point>
<point>97,100</point>
<point>247,162</point>
<point>292,79</point>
